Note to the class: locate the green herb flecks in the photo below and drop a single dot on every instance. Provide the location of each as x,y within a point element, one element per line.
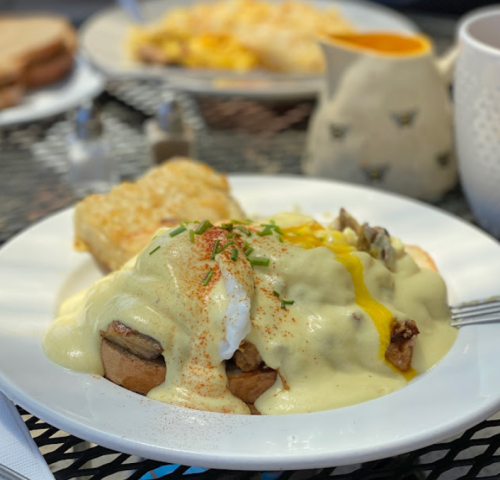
<point>207,278</point>
<point>191,236</point>
<point>234,254</point>
<point>214,250</point>
<point>203,227</point>
<point>247,232</point>
<point>246,221</point>
<point>177,231</point>
<point>268,230</point>
<point>284,303</point>
<point>153,251</point>
<point>276,294</point>
<point>259,261</point>
<point>228,244</point>
<point>248,251</point>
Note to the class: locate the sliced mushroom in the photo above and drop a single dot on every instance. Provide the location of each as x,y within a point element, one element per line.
<point>377,242</point>
<point>131,340</point>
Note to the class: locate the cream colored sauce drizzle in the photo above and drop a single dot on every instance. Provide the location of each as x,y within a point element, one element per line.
<point>326,346</point>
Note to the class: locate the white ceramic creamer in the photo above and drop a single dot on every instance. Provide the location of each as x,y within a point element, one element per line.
<point>384,117</point>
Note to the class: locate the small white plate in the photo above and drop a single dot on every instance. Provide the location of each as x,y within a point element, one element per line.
<point>39,268</point>
<point>83,83</point>
<point>103,39</point>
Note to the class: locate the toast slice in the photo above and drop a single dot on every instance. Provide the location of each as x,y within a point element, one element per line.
<point>35,50</point>
<point>116,226</point>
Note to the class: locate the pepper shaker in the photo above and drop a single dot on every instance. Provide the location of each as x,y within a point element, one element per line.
<point>92,167</point>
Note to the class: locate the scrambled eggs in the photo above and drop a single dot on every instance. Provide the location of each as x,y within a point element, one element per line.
<point>240,35</point>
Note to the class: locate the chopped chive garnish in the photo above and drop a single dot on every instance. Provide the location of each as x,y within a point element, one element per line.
<point>259,261</point>
<point>267,231</point>
<point>177,231</point>
<point>214,250</point>
<point>229,235</point>
<point>184,223</point>
<point>280,239</point>
<point>191,236</point>
<point>284,303</point>
<point>207,278</point>
<point>228,244</point>
<point>234,254</point>
<point>247,232</point>
<point>245,245</point>
<point>153,251</point>
<point>227,226</point>
<point>249,250</point>
<point>276,294</point>
<point>203,227</point>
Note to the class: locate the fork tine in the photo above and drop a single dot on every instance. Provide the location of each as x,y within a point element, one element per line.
<point>478,305</point>
<point>480,311</point>
<point>474,321</point>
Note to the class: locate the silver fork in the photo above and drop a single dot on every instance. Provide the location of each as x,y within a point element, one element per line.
<point>479,311</point>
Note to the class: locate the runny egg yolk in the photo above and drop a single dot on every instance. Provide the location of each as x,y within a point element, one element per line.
<point>312,235</point>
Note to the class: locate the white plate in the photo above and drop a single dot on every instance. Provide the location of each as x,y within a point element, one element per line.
<point>39,268</point>
<point>103,40</point>
<point>82,84</point>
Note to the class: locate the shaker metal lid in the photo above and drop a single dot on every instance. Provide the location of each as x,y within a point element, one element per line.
<point>87,121</point>
<point>169,117</point>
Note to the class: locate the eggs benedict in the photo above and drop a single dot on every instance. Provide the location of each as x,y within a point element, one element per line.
<point>277,316</point>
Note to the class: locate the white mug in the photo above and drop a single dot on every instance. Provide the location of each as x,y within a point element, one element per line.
<point>477,115</point>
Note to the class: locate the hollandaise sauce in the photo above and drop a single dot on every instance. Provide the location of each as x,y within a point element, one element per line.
<point>318,311</point>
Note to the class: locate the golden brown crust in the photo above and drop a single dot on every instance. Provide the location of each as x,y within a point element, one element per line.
<point>116,226</point>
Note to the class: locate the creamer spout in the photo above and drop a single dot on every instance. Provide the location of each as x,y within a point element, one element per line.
<point>446,64</point>
<point>337,59</point>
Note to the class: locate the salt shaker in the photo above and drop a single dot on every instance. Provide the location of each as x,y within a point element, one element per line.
<point>91,165</point>
<point>167,134</point>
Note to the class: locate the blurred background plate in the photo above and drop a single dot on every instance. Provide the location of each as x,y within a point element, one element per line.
<point>82,84</point>
<point>103,37</point>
